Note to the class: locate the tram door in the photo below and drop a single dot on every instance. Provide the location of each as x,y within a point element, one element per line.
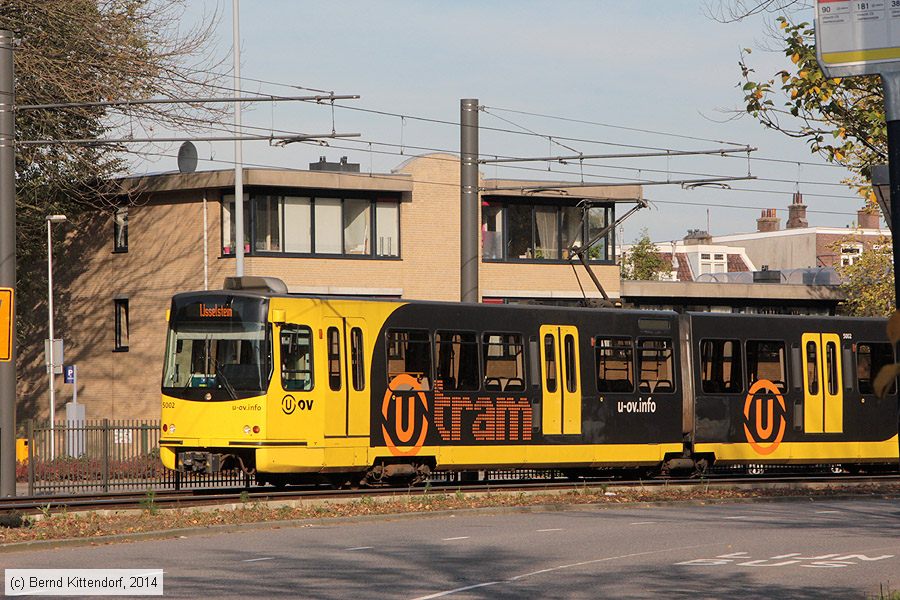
<point>560,386</point>
<point>346,412</point>
<point>823,390</point>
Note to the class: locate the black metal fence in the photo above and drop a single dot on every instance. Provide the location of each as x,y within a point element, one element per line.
<point>102,455</point>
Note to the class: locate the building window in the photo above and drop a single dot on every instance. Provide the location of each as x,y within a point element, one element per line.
<point>298,237</point>
<point>387,228</point>
<point>120,230</point>
<point>229,234</point>
<point>713,263</point>
<point>850,253</point>
<point>269,227</point>
<point>315,226</point>
<point>357,232</point>
<point>521,231</point>
<point>121,319</point>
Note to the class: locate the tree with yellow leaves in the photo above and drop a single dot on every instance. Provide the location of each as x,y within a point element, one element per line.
<point>840,119</point>
<point>868,283</point>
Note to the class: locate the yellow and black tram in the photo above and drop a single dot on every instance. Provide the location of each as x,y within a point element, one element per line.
<point>298,388</point>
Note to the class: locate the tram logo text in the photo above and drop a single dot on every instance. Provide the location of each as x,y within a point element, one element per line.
<point>457,418</point>
<point>764,417</point>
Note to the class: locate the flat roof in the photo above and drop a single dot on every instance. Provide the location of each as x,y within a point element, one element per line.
<point>288,178</point>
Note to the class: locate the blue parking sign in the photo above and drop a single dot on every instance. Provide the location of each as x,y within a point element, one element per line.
<point>69,374</point>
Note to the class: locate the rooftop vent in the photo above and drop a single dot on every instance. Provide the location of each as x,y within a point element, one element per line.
<point>340,167</point>
<point>766,276</point>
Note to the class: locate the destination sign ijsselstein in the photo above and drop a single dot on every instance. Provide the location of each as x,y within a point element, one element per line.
<point>215,311</point>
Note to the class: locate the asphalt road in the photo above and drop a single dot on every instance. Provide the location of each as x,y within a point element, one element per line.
<point>790,549</point>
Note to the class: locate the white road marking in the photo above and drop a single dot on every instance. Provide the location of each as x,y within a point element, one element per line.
<point>543,530</point>
<point>360,548</point>
<point>465,537</point>
<point>827,512</point>
<point>739,517</point>
<point>259,559</point>
<point>643,523</point>
<point>462,589</point>
<point>551,569</point>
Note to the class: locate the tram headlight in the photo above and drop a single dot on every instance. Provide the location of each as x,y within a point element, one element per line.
<point>172,428</point>
<point>247,429</point>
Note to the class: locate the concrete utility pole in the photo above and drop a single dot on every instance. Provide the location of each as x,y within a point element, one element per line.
<point>7,261</point>
<point>469,230</point>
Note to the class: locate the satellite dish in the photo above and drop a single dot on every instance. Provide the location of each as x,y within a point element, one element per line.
<point>187,158</point>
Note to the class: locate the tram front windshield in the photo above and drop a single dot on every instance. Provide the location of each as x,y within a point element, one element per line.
<point>234,359</point>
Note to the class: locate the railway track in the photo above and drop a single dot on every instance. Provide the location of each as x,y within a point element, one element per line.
<point>229,496</point>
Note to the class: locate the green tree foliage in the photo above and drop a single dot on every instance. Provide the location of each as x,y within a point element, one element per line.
<point>869,282</point>
<point>840,119</point>
<point>80,51</point>
<point>644,260</point>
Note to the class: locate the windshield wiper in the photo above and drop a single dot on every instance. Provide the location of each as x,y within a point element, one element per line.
<point>220,376</point>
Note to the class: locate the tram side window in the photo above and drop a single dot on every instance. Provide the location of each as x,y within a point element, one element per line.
<point>550,362</point>
<point>721,366</point>
<point>655,361</point>
<point>615,364</point>
<point>409,351</point>
<point>812,368</point>
<point>357,359</point>
<point>765,360</point>
<point>870,358</point>
<point>504,362</point>
<point>456,356</point>
<point>296,358</point>
<point>334,359</point>
<point>831,367</point>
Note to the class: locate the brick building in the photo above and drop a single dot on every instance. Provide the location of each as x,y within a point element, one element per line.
<point>801,246</point>
<point>329,230</point>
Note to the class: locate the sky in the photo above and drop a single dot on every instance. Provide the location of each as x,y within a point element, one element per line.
<point>610,67</point>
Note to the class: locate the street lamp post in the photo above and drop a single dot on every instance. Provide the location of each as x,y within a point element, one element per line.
<point>50,358</point>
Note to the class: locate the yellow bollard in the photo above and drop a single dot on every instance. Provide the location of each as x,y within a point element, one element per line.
<point>21,450</point>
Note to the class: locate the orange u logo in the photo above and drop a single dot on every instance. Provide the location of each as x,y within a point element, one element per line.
<point>764,427</point>
<point>403,435</point>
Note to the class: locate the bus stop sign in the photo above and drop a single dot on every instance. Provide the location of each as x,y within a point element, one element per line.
<point>858,37</point>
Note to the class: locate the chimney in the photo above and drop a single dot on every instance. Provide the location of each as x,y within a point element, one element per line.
<point>867,220</point>
<point>797,213</point>
<point>696,237</point>
<point>768,221</point>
